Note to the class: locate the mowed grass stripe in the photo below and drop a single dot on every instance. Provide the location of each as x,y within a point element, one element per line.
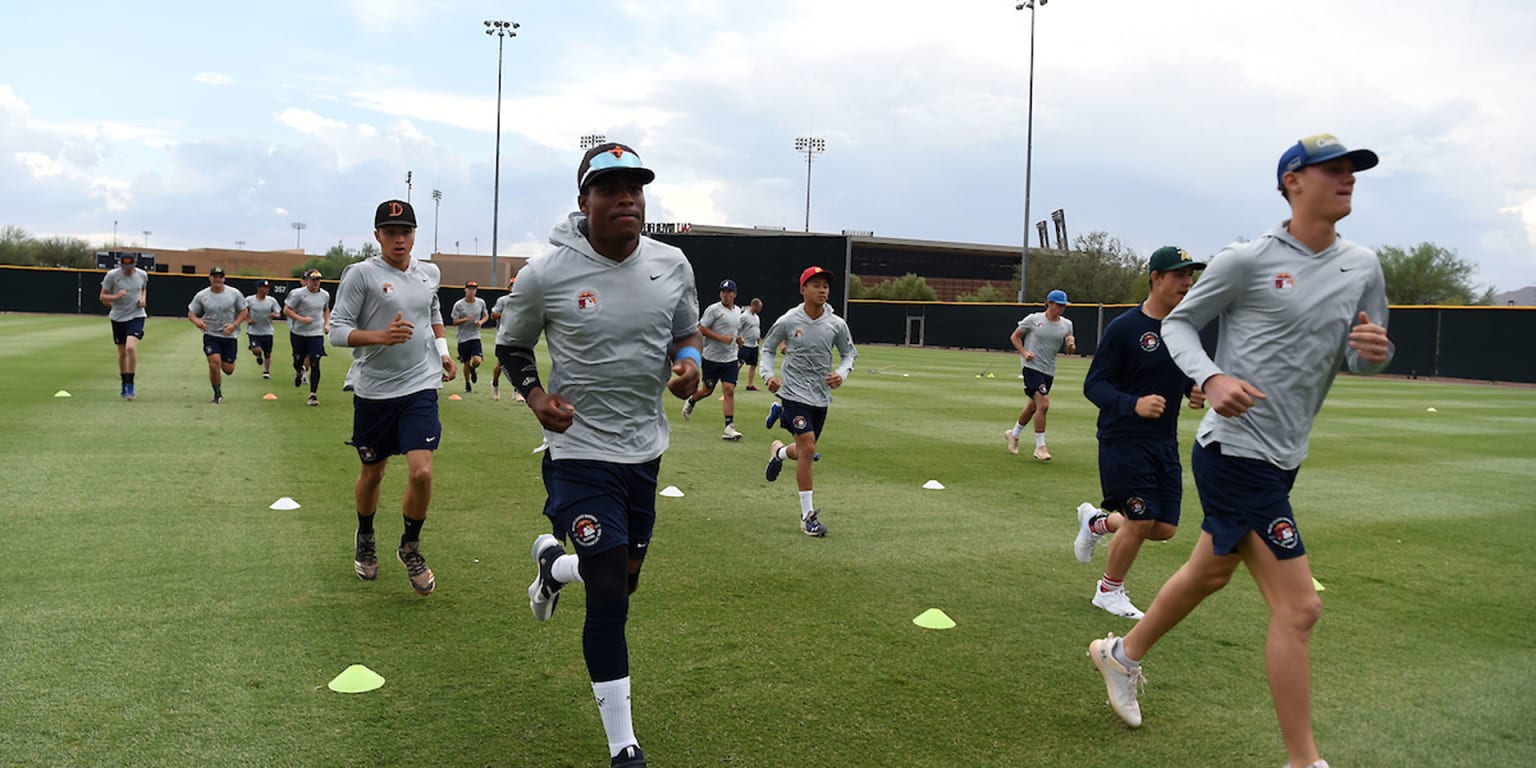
<point>168,617</point>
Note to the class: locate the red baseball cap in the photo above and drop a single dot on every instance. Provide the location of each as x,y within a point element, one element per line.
<point>811,272</point>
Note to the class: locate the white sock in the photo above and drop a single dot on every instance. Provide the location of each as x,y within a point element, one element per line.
<point>805,504</point>
<point>566,569</point>
<point>1039,439</point>
<point>613,705</point>
<point>1018,429</point>
<point>1119,653</point>
<point>783,453</point>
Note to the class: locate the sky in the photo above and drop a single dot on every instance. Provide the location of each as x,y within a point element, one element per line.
<point>212,124</point>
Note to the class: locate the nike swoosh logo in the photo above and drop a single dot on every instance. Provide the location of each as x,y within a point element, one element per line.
<point>431,439</point>
<point>1345,269</point>
<point>641,545</point>
<point>655,277</point>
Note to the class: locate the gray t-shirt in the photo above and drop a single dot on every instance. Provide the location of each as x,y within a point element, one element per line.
<point>751,329</point>
<point>609,327</point>
<point>260,314</point>
<point>310,304</point>
<point>218,310</point>
<point>370,294</point>
<point>126,308</point>
<point>808,346</point>
<point>477,310</point>
<point>1286,313</point>
<point>722,320</point>
<point>1044,338</point>
<point>499,307</point>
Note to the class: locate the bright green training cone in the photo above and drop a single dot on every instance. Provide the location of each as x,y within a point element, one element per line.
<point>356,679</point>
<point>62,393</point>
<point>1317,585</point>
<point>934,618</point>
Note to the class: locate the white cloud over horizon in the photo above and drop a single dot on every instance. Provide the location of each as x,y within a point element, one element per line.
<point>1155,123</point>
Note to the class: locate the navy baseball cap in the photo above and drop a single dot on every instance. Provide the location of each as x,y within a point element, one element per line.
<point>1057,296</point>
<point>612,157</point>
<point>1169,258</point>
<point>1320,149</point>
<point>263,283</point>
<point>728,285</point>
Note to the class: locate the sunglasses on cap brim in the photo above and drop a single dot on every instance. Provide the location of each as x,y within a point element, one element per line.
<point>608,161</point>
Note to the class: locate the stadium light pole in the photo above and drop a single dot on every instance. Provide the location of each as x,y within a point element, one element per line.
<point>147,233</point>
<point>437,208</point>
<point>593,139</point>
<point>810,146</point>
<point>501,30</point>
<point>240,245</point>
<point>407,186</point>
<point>1029,143</point>
<point>298,240</point>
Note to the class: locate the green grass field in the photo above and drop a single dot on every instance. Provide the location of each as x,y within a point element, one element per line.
<point>155,612</point>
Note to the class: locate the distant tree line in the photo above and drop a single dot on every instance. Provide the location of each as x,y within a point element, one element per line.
<point>335,260</point>
<point>19,247</point>
<point>1099,269</point>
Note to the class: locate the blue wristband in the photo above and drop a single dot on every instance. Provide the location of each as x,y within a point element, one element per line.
<point>690,353</point>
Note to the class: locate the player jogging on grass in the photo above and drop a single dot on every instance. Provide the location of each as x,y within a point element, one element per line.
<point>496,311</point>
<point>1294,304</point>
<point>720,325</point>
<point>750,337</point>
<point>218,311</point>
<point>619,313</point>
<point>308,310</point>
<point>126,291</point>
<point>1137,388</point>
<point>1038,338</point>
<point>260,310</point>
<point>387,310</point>
<point>469,314</point>
<point>809,333</point>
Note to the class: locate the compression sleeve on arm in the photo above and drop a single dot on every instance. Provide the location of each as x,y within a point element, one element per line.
<point>521,367</point>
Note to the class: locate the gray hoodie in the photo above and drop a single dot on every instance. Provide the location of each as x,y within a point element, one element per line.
<point>1286,313</point>
<point>609,327</point>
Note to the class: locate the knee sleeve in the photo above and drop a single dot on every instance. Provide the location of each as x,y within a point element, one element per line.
<point>602,638</point>
<point>314,373</point>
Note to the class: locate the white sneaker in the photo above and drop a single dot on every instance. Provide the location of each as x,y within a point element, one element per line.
<point>1116,602</point>
<point>1086,540</point>
<point>1121,683</point>
<point>731,433</point>
<point>687,410</point>
<point>1013,441</point>
<point>1042,454</point>
<point>1318,764</point>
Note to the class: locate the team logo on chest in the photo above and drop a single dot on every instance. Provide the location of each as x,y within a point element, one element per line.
<point>586,301</point>
<point>1284,281</point>
<point>389,289</point>
<point>1150,342</point>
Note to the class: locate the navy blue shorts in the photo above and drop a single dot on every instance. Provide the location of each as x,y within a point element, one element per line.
<point>1241,495</point>
<point>1037,383</point>
<point>393,427</point>
<point>226,349</point>
<point>469,350</point>
<point>261,341</point>
<point>747,356</point>
<point>714,372</point>
<point>599,505</point>
<point>122,329</point>
<point>1142,480</point>
<point>800,418</point>
<point>312,347</point>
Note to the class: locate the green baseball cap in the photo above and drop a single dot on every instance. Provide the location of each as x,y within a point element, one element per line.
<point>1169,258</point>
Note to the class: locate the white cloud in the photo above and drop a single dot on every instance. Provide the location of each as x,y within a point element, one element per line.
<point>280,211</point>
<point>213,78</point>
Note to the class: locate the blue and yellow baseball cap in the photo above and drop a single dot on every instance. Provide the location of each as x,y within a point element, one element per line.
<point>1320,148</point>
